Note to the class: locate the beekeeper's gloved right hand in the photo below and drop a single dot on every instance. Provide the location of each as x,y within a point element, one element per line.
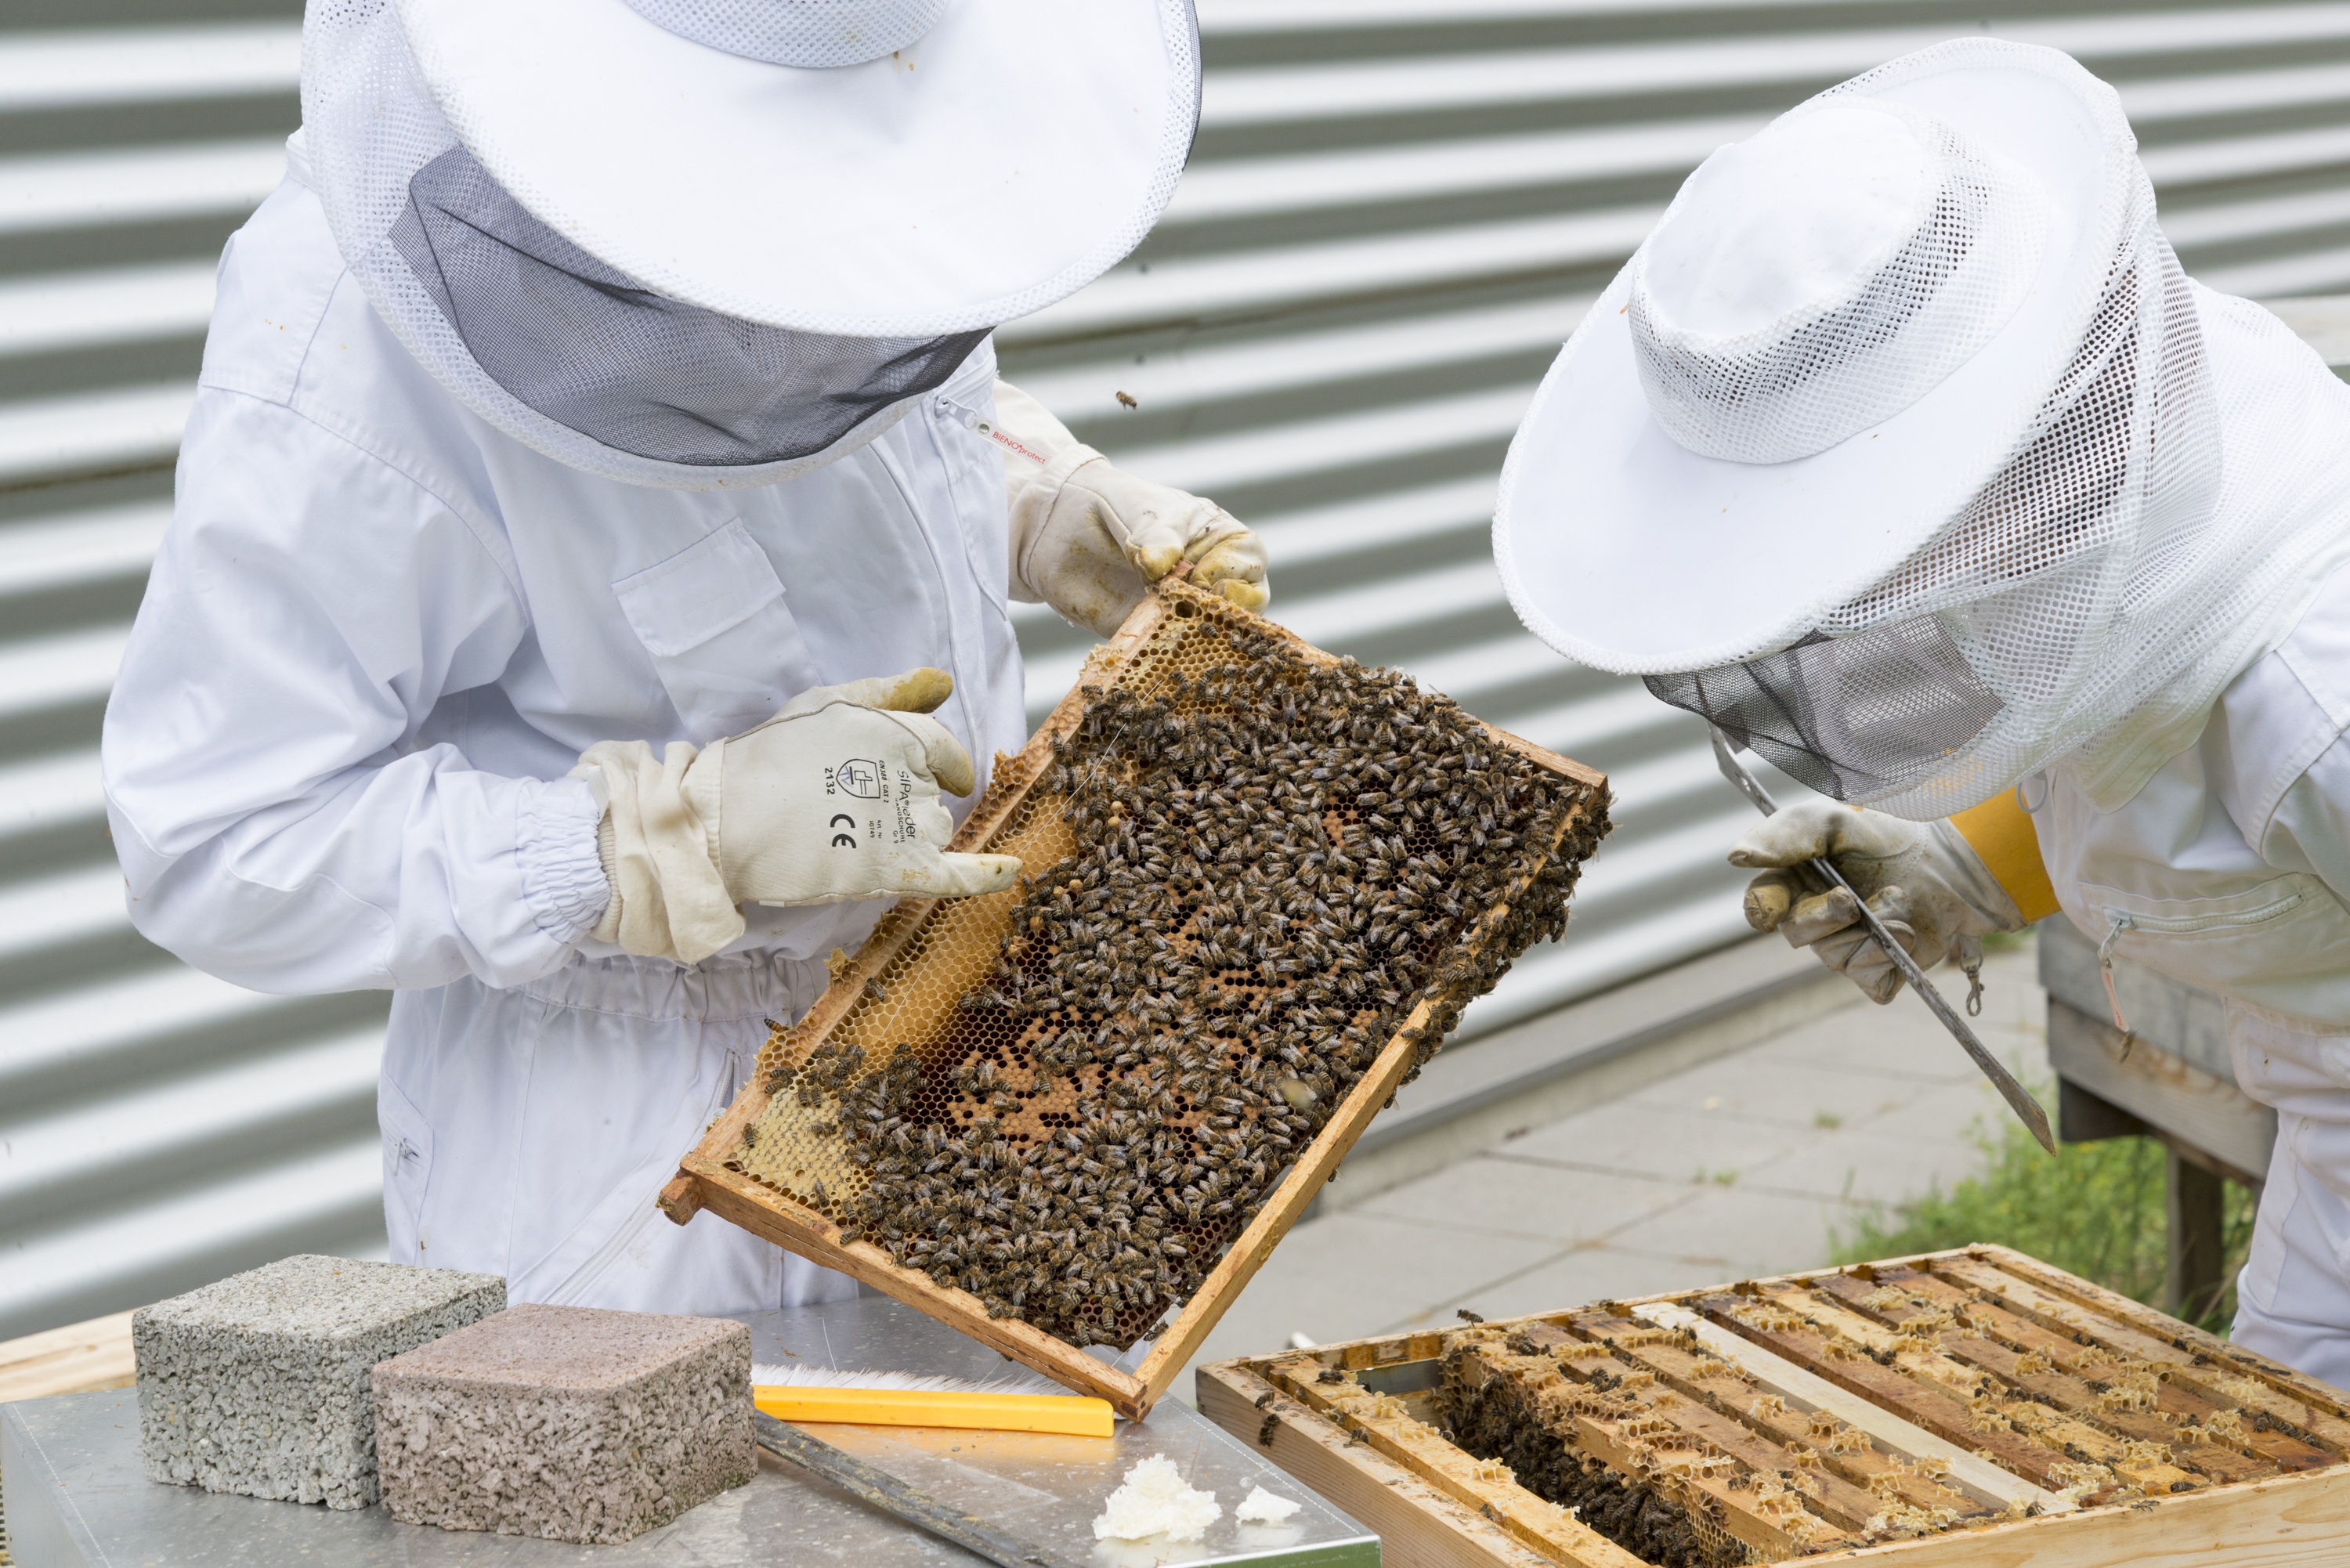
<point>1089,538</point>
<point>1923,880</point>
<point>836,797</point>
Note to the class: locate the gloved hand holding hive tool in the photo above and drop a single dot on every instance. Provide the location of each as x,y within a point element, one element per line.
<point>835,798</point>
<point>1923,880</point>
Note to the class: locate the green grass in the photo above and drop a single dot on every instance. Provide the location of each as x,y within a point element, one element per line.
<point>2095,1210</point>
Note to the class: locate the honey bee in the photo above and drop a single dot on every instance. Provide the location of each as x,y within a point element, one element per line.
<point>1270,872</point>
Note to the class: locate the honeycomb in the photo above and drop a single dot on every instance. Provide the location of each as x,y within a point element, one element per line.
<point>1531,1431</point>
<point>1071,1096</point>
<point>2066,1396</point>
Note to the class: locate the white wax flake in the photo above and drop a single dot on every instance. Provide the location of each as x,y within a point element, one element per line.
<point>1261,1507</point>
<point>1155,1499</point>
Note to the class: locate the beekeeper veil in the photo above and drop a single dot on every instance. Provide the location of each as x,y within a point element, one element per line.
<point>702,244</point>
<point>1903,452</point>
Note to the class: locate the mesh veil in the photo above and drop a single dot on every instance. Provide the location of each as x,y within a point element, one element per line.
<point>592,349</point>
<point>550,346</point>
<point>2159,525</point>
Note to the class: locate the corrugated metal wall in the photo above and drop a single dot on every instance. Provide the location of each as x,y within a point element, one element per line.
<point>1395,211</point>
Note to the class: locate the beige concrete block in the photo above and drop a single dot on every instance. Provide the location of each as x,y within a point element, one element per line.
<point>566,1423</point>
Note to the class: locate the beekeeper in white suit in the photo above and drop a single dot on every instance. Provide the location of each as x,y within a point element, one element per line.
<point>1903,452</point>
<point>584,605</point>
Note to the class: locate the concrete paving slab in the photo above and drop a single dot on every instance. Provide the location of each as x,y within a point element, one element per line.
<point>1573,1279</point>
<point>1734,1232</point>
<point>1802,1096</point>
<point>1864,1166</point>
<point>1536,1201</point>
<point>1903,1040</point>
<point>1866,1043</point>
<point>1675,1143</point>
<point>1961,1113</point>
<point>1353,1273</point>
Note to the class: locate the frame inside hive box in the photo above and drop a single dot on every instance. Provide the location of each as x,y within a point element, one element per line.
<point>777,1167</point>
<point>1971,1407</point>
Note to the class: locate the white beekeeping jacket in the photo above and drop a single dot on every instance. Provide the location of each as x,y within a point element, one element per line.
<point>378,636</point>
<point>2230,870</point>
<point>379,633</point>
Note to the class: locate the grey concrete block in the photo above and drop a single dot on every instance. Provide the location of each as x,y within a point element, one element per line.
<point>259,1384</point>
<point>566,1423</point>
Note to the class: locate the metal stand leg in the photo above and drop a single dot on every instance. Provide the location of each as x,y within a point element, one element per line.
<point>2193,1280</point>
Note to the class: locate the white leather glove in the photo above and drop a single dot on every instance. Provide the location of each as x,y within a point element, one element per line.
<point>1923,880</point>
<point>1089,538</point>
<point>836,797</point>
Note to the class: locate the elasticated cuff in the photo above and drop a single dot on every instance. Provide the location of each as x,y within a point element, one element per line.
<point>562,876</point>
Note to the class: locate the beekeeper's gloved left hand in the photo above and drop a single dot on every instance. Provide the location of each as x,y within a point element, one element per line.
<point>1923,880</point>
<point>1089,538</point>
<point>835,797</point>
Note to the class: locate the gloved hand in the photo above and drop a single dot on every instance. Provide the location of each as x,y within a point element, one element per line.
<point>835,798</point>
<point>1089,539</point>
<point>1923,880</point>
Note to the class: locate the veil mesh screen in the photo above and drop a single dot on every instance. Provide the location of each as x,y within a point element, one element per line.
<point>1851,716</point>
<point>592,348</point>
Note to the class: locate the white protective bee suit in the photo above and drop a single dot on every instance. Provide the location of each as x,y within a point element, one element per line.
<point>1995,506</point>
<point>405,588</point>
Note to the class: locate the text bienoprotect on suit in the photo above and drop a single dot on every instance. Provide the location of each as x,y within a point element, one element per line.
<point>595,511</point>
<point>1904,454</point>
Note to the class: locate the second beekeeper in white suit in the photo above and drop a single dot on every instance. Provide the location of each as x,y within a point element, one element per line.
<point>584,605</point>
<point>1903,452</point>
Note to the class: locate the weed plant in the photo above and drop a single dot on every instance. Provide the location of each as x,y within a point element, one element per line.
<point>2095,1209</point>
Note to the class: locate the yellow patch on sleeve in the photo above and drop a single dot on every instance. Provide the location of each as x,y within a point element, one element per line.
<point>2000,832</point>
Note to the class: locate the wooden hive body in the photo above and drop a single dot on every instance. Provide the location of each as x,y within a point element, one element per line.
<point>1972,1407</point>
<point>760,1164</point>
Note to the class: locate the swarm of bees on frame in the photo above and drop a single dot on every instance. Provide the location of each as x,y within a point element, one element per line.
<point>1276,862</point>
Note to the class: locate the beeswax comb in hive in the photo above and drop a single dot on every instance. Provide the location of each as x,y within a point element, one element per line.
<point>1177,1046</point>
<point>1955,1409</point>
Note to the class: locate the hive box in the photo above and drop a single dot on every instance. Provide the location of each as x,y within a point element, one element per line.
<point>258,1384</point>
<point>1968,1408</point>
<point>567,1423</point>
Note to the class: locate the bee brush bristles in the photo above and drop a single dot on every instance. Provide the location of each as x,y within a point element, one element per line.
<point>1016,1402</point>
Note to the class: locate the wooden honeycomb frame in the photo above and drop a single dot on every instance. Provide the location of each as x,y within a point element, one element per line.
<point>948,947</point>
<point>2269,1487</point>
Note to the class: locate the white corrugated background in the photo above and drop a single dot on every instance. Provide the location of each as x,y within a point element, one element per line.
<point>1395,211</point>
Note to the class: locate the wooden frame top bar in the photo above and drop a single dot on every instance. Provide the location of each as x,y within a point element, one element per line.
<point>704,1181</point>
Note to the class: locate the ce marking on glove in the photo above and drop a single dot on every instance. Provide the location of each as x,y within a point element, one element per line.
<point>841,840</point>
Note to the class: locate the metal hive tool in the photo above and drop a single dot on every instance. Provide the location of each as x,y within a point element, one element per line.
<point>778,1163</point>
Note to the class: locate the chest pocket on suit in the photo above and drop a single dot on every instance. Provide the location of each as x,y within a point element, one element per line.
<point>721,637</point>
<point>2283,942</point>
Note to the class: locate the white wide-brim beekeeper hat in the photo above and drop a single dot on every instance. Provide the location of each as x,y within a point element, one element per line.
<point>827,198</point>
<point>1903,451</point>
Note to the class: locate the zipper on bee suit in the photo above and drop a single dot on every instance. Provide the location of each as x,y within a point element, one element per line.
<point>2174,924</point>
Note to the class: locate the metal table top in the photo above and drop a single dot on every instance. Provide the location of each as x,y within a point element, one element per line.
<point>77,1496</point>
